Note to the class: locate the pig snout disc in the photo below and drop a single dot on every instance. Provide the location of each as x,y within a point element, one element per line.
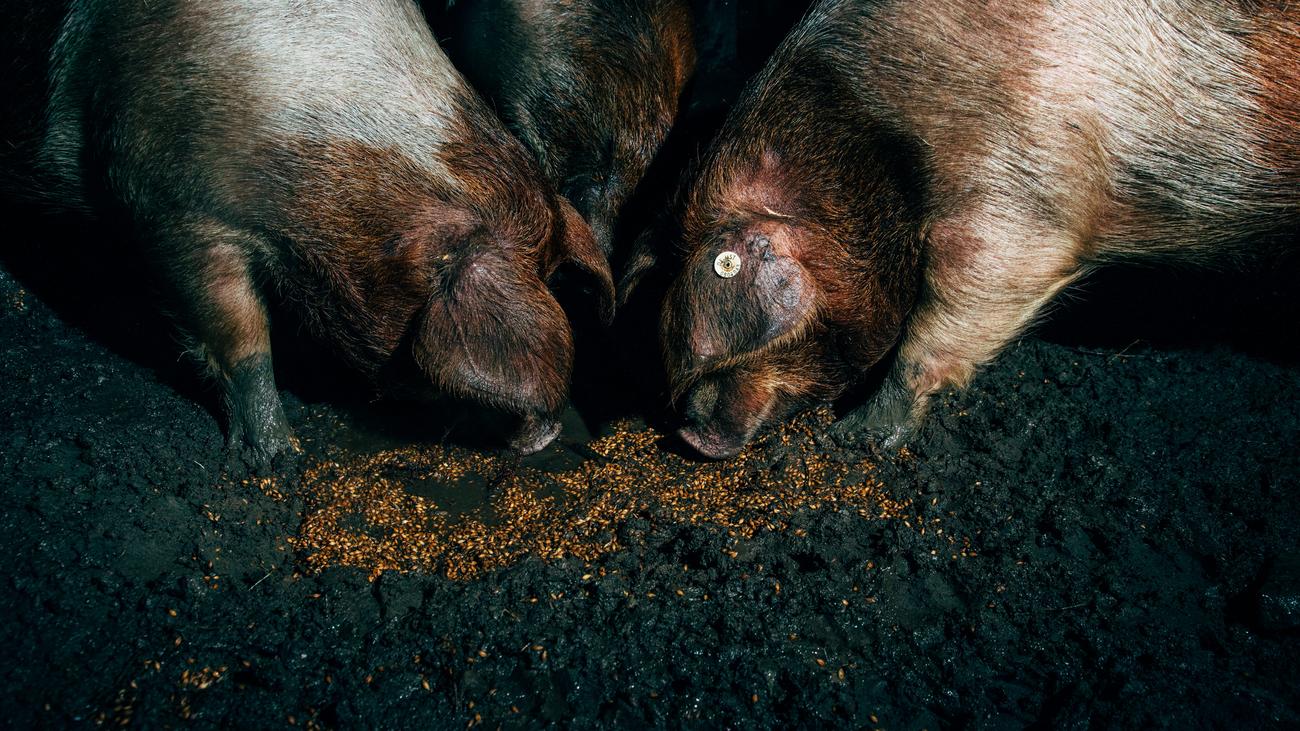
<point>727,265</point>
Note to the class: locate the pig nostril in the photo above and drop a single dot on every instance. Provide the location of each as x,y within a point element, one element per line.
<point>535,433</point>
<point>700,405</point>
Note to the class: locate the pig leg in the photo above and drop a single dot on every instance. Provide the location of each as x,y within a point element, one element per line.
<point>984,285</point>
<point>209,267</point>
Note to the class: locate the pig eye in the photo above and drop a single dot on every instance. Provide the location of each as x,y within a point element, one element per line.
<point>727,265</point>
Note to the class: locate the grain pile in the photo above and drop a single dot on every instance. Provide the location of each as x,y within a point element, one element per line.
<point>363,512</point>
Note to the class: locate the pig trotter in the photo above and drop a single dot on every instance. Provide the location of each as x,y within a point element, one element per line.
<point>259,431</point>
<point>891,416</point>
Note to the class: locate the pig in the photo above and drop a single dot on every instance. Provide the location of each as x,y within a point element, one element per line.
<point>328,155</point>
<point>908,183</point>
<point>591,87</point>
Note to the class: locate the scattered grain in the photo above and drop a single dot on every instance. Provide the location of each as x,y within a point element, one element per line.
<point>360,514</point>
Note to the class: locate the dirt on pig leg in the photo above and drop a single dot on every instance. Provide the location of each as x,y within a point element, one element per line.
<point>983,287</point>
<point>889,416</point>
<point>258,430</point>
<point>221,307</point>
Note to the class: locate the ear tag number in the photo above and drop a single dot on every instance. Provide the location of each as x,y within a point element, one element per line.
<point>727,265</point>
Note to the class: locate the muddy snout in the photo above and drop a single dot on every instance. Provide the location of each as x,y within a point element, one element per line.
<point>703,430</point>
<point>535,433</point>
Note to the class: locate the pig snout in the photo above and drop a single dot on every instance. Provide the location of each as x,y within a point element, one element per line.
<point>723,412</point>
<point>700,432</point>
<point>535,433</point>
<point>710,443</point>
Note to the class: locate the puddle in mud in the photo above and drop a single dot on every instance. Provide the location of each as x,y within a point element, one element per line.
<point>468,494</point>
<point>456,498</point>
<point>461,511</point>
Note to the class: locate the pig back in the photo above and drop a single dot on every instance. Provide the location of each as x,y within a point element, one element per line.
<point>1190,112</point>
<point>178,100</point>
<point>1158,127</point>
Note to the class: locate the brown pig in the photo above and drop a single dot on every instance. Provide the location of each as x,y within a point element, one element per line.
<point>919,178</point>
<point>591,87</point>
<point>327,154</point>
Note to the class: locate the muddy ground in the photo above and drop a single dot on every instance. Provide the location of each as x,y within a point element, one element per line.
<point>1122,485</point>
<point>1101,531</point>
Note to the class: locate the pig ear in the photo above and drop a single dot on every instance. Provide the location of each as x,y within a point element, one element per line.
<point>641,260</point>
<point>494,332</point>
<point>577,246</point>
<point>744,295</point>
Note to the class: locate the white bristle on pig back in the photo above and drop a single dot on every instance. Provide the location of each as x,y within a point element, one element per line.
<point>1179,81</point>
<point>1135,127</point>
<point>402,65</point>
<point>385,41</point>
<point>1162,92</point>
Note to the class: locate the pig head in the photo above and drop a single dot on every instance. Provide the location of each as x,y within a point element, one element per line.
<point>800,261</point>
<point>449,274</point>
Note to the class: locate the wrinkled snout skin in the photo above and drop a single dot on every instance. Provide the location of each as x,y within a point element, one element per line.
<point>908,183</point>
<point>591,87</point>
<point>723,411</point>
<point>329,155</point>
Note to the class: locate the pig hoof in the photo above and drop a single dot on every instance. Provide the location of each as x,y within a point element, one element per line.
<point>259,431</point>
<point>890,418</point>
<point>881,428</point>
<point>897,437</point>
<point>273,450</point>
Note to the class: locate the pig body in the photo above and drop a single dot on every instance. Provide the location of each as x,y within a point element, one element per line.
<point>920,178</point>
<point>591,87</point>
<point>329,154</point>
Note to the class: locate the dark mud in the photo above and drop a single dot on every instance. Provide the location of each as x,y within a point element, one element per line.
<point>1127,479</point>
